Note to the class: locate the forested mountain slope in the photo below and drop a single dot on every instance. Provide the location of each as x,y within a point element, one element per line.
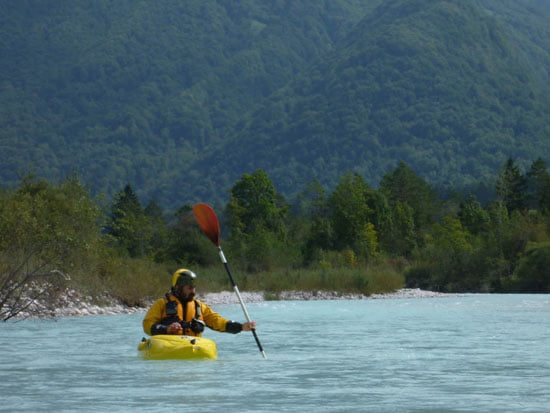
<point>438,84</point>
<point>181,98</point>
<point>525,23</point>
<point>133,91</point>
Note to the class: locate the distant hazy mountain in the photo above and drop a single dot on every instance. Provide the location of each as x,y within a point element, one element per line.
<point>181,98</point>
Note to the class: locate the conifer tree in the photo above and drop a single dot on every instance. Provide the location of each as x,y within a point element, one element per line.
<point>128,224</point>
<point>413,205</point>
<point>538,185</point>
<point>257,217</point>
<point>511,186</point>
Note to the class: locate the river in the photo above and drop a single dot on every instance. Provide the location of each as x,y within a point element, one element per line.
<point>476,353</point>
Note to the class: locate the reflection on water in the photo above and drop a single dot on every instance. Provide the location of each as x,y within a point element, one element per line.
<point>470,353</point>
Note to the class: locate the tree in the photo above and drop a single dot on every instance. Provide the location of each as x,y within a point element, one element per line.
<point>46,232</point>
<point>187,243</point>
<point>129,225</point>
<point>255,204</point>
<point>533,272</point>
<point>314,206</point>
<point>351,214</point>
<point>256,215</point>
<point>159,236</point>
<point>450,253</point>
<point>473,217</point>
<point>511,186</point>
<point>413,204</point>
<point>405,186</point>
<point>538,185</point>
<point>401,236</point>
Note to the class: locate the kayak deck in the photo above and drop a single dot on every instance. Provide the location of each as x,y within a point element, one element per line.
<point>165,347</point>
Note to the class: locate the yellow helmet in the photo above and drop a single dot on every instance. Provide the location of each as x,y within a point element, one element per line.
<point>183,276</point>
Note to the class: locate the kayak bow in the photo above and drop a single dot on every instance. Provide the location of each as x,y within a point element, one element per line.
<point>164,347</point>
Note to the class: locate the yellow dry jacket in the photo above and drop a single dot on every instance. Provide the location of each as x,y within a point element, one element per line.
<point>157,314</point>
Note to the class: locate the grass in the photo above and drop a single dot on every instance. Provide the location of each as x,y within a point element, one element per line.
<point>367,280</point>
<point>135,282</point>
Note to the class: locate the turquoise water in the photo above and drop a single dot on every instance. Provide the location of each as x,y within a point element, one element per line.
<point>473,353</point>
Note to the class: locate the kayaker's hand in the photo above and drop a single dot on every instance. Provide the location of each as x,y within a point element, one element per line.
<point>175,328</point>
<point>249,326</point>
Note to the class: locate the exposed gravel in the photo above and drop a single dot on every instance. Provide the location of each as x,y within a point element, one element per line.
<point>74,304</point>
<point>329,295</point>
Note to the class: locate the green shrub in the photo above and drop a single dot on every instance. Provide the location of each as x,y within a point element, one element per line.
<point>533,271</point>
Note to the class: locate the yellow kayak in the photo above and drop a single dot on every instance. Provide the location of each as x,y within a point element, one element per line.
<point>164,347</point>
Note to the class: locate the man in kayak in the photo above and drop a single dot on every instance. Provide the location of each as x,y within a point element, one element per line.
<point>179,313</point>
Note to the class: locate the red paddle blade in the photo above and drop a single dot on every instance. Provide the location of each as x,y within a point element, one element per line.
<point>208,221</point>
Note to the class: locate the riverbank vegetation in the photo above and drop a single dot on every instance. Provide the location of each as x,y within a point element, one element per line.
<point>353,239</point>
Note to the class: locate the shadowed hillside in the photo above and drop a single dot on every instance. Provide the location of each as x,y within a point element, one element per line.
<point>181,98</point>
<point>438,84</point>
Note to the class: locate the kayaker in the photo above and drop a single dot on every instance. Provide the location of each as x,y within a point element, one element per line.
<point>180,313</point>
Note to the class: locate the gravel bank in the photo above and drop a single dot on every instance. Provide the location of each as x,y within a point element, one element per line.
<point>74,304</point>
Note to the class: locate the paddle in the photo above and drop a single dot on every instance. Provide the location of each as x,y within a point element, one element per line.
<point>208,221</point>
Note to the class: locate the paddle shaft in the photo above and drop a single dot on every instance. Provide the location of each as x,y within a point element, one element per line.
<point>226,265</point>
<point>208,221</point>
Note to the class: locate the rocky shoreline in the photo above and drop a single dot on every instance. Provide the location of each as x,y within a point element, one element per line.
<point>74,305</point>
<point>229,297</point>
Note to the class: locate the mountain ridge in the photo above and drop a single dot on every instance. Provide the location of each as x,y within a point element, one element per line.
<point>380,87</point>
<point>181,99</point>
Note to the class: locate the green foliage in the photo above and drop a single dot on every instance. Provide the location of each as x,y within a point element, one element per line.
<point>511,186</point>
<point>369,242</point>
<point>186,244</point>
<point>405,186</point>
<point>255,204</point>
<point>414,204</point>
<point>313,205</point>
<point>377,278</point>
<point>401,237</point>
<point>256,215</point>
<point>133,93</point>
<point>129,225</point>
<point>350,215</point>
<point>533,272</point>
<point>50,223</point>
<point>354,239</point>
<point>131,281</point>
<point>538,185</point>
<point>160,235</point>
<point>264,251</point>
<point>47,235</point>
<point>482,251</point>
<point>450,254</point>
<point>180,99</point>
<point>437,84</point>
<point>473,217</point>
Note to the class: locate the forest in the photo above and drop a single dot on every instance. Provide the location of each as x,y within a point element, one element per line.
<point>355,238</point>
<point>180,99</point>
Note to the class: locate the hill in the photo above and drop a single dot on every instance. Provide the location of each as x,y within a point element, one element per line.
<point>180,98</point>
<point>131,91</point>
<point>438,84</point>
